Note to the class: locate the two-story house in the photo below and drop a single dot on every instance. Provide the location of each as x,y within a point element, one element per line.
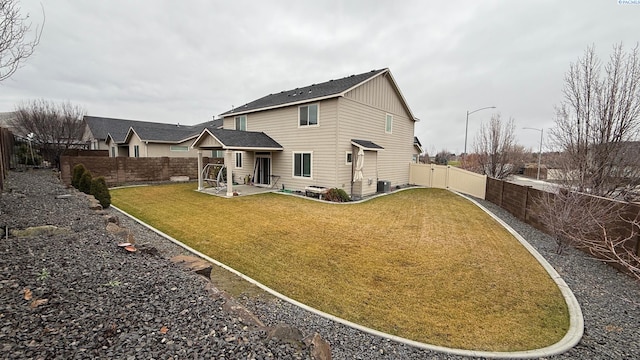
<point>347,133</point>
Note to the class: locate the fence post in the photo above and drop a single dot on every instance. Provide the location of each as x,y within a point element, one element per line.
<point>526,204</point>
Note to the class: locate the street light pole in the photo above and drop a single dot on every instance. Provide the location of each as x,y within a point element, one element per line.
<point>466,127</point>
<point>540,150</point>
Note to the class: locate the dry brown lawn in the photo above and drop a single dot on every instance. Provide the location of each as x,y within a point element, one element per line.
<point>424,264</point>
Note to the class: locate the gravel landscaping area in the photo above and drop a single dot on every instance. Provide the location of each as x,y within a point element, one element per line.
<point>71,292</point>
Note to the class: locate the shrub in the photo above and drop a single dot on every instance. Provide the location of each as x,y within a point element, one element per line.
<point>84,184</point>
<point>100,191</point>
<point>78,170</point>
<point>337,195</point>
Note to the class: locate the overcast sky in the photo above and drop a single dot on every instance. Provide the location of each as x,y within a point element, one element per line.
<point>185,61</point>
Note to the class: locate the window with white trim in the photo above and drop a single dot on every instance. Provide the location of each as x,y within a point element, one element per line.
<point>308,115</point>
<point>217,154</point>
<point>178,148</point>
<point>238,160</point>
<point>349,158</point>
<point>302,164</point>
<point>113,151</point>
<point>241,122</point>
<point>136,151</point>
<point>388,125</point>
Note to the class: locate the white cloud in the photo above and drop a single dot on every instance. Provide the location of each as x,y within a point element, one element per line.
<point>183,62</point>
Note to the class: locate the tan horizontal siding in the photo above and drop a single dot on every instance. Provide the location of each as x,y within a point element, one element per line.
<point>282,126</point>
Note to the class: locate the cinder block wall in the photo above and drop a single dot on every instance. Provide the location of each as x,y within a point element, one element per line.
<point>123,170</point>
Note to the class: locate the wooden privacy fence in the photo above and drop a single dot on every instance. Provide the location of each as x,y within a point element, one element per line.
<point>6,151</point>
<point>122,170</point>
<point>520,201</point>
<point>448,177</point>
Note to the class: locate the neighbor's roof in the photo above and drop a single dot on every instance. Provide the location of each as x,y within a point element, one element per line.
<point>119,129</point>
<point>325,90</point>
<point>240,140</point>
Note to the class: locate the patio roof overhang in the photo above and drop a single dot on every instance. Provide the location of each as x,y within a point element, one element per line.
<point>225,139</point>
<point>366,145</point>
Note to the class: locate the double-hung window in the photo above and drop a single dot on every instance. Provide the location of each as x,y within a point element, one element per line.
<point>308,115</point>
<point>239,160</point>
<point>388,126</point>
<point>241,122</point>
<point>136,151</point>
<point>302,164</point>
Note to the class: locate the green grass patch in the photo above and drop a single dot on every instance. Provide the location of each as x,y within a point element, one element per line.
<point>424,264</point>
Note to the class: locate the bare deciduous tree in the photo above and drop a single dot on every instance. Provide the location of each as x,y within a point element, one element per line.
<point>596,132</point>
<point>15,47</point>
<point>598,121</point>
<point>498,155</point>
<point>54,127</point>
<point>571,217</point>
<point>594,224</point>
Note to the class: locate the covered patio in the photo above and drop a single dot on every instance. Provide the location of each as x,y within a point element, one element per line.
<point>231,142</point>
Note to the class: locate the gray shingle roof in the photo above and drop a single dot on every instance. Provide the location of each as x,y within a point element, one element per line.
<point>245,139</point>
<point>151,131</point>
<point>367,145</point>
<point>306,93</point>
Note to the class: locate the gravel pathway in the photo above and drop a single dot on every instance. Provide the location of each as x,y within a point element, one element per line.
<point>102,302</point>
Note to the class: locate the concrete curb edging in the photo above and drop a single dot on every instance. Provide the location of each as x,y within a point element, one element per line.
<point>572,337</point>
<point>576,320</point>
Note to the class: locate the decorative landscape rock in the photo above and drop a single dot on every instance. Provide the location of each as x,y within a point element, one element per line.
<point>320,349</point>
<point>44,230</point>
<point>114,229</point>
<point>194,264</point>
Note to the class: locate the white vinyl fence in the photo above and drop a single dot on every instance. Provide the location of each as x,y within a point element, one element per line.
<point>448,177</point>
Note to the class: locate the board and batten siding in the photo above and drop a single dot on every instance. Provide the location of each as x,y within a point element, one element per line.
<point>282,126</point>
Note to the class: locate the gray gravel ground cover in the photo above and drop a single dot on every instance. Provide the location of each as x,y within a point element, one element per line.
<point>105,303</point>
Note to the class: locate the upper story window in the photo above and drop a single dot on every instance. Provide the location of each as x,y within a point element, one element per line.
<point>388,125</point>
<point>308,115</point>
<point>349,158</point>
<point>241,122</point>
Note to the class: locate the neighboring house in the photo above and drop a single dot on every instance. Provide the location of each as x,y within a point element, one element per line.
<point>348,133</point>
<point>6,119</point>
<point>132,138</point>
